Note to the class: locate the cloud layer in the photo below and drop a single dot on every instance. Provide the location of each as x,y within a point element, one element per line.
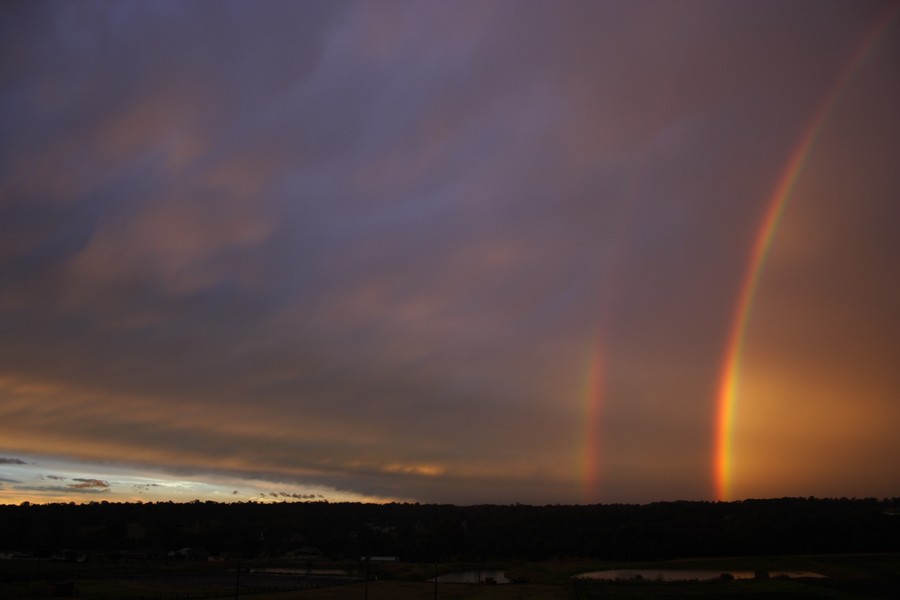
<point>372,247</point>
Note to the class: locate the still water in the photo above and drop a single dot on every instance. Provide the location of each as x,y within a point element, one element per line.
<point>683,575</point>
<point>311,572</point>
<point>472,577</point>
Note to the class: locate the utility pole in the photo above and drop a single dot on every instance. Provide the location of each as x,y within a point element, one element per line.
<point>366,578</point>
<point>237,580</point>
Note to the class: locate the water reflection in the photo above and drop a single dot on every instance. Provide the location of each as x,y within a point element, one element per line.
<point>488,576</point>
<point>687,575</point>
<point>310,572</point>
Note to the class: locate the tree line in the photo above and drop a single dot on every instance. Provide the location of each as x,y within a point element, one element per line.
<point>428,532</point>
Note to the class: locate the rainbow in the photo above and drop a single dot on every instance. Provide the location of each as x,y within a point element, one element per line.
<point>592,393</point>
<point>729,383</point>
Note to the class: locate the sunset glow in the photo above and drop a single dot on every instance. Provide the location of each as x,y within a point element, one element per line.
<point>731,375</point>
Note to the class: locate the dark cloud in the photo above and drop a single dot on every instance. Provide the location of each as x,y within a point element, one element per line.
<point>144,487</point>
<point>62,491</point>
<point>296,496</point>
<point>290,495</point>
<point>12,461</point>
<point>84,484</point>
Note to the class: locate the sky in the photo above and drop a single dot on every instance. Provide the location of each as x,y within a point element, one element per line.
<point>459,252</point>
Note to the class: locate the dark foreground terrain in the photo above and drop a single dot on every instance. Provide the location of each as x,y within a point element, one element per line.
<point>850,576</point>
<point>321,550</point>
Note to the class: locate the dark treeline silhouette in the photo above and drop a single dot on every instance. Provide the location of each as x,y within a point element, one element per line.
<point>425,532</point>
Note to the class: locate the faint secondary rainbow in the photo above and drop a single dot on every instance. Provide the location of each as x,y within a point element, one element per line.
<point>592,393</point>
<point>730,378</point>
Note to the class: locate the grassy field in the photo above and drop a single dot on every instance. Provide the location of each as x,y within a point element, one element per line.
<point>872,576</point>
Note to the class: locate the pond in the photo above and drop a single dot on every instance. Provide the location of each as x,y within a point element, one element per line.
<point>310,572</point>
<point>686,575</point>
<point>486,576</point>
